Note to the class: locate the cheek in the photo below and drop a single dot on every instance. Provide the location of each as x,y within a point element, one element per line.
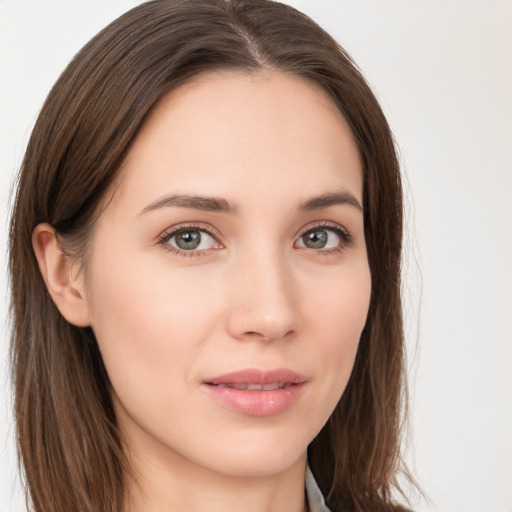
<point>341,303</point>
<point>146,323</point>
<point>338,314</point>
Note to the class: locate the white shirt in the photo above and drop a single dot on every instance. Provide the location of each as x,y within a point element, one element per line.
<point>316,500</point>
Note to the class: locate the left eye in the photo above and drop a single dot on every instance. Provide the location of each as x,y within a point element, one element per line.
<point>191,240</point>
<point>320,238</point>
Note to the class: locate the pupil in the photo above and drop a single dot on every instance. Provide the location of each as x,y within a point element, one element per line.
<point>315,239</point>
<point>188,240</point>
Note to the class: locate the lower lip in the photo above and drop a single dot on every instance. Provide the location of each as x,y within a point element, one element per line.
<point>257,403</point>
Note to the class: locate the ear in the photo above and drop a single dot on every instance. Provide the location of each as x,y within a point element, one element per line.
<point>60,274</point>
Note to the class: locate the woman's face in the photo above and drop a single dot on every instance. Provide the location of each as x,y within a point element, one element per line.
<point>228,281</point>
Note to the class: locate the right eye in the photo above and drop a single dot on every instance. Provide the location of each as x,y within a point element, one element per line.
<point>189,239</point>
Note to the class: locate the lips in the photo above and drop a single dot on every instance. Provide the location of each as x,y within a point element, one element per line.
<point>257,392</point>
<point>255,387</point>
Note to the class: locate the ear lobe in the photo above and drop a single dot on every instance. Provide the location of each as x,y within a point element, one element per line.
<point>65,285</point>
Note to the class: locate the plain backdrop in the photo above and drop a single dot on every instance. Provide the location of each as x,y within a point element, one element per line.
<point>442,70</point>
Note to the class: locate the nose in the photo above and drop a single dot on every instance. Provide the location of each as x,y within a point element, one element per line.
<point>263,303</point>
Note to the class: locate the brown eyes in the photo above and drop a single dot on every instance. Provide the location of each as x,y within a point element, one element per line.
<point>194,240</point>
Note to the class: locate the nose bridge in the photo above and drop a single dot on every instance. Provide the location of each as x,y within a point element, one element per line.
<point>263,304</point>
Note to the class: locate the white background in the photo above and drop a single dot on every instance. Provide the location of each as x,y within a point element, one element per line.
<point>442,70</point>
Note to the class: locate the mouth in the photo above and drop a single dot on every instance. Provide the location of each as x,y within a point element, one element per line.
<point>257,392</point>
<point>254,387</point>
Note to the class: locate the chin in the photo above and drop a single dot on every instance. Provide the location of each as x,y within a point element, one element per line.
<point>255,457</point>
<point>258,465</point>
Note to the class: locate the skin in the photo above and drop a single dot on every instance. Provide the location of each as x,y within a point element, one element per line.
<point>252,295</point>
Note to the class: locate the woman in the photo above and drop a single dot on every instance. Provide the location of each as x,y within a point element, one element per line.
<point>205,256</point>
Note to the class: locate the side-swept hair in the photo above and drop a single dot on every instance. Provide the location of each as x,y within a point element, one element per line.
<point>68,440</point>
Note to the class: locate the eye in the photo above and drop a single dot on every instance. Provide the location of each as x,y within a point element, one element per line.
<point>189,239</point>
<point>324,238</point>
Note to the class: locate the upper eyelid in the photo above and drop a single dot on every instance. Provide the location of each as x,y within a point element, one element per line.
<point>324,224</point>
<point>173,230</point>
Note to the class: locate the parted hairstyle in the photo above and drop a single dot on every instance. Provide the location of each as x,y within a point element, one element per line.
<point>70,448</point>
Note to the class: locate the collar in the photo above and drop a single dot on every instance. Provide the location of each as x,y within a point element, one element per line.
<point>316,500</point>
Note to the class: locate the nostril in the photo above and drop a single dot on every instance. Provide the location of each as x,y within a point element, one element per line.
<point>254,334</point>
<point>268,337</point>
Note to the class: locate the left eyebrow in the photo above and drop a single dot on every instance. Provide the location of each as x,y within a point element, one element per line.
<point>330,199</point>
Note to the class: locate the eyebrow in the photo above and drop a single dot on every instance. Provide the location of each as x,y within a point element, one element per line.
<point>219,205</point>
<point>208,204</point>
<point>330,199</point>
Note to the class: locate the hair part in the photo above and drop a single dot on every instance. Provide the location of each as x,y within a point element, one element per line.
<point>68,440</point>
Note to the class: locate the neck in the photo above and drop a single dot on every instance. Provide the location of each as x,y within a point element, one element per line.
<point>171,483</point>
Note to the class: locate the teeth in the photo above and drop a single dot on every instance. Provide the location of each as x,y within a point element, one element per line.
<point>254,387</point>
<point>263,387</point>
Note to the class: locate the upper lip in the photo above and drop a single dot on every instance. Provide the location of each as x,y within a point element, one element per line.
<point>258,376</point>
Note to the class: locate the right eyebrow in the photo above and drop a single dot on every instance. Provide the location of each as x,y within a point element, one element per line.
<point>209,204</point>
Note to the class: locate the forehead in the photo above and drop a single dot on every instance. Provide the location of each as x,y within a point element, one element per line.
<point>258,132</point>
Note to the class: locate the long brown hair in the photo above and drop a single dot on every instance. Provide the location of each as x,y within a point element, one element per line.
<point>69,444</point>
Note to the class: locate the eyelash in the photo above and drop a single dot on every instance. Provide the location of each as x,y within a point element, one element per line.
<point>163,239</point>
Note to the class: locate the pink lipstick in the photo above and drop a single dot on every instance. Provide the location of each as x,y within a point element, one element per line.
<point>257,392</point>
